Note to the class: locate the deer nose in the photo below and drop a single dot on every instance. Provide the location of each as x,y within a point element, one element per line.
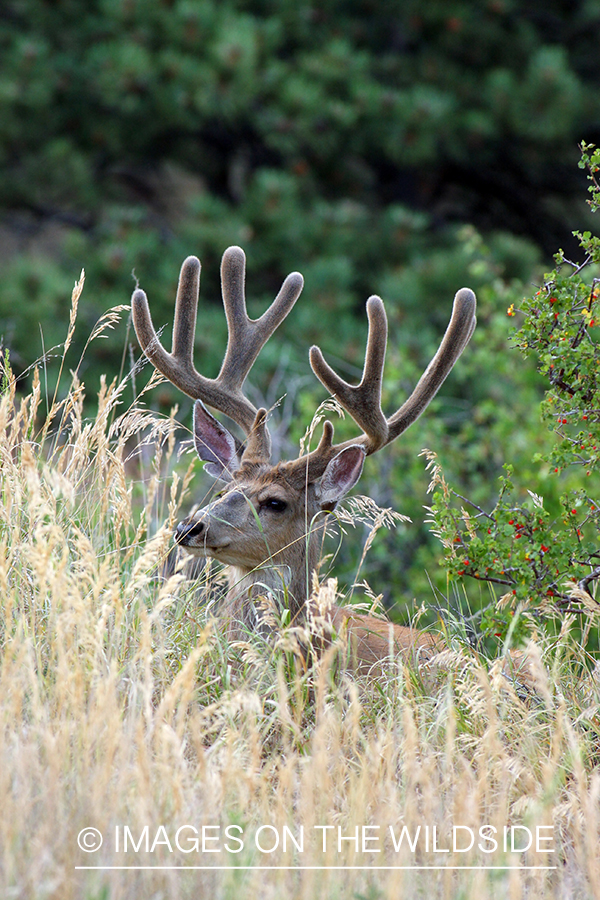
<point>187,530</point>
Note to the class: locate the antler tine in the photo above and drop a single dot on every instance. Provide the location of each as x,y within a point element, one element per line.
<point>186,308</point>
<point>460,328</point>
<point>177,366</point>
<point>362,401</point>
<point>248,336</point>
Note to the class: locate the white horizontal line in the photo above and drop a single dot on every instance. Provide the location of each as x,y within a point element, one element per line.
<point>312,868</point>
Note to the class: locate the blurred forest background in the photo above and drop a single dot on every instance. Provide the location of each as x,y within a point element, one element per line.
<point>401,148</point>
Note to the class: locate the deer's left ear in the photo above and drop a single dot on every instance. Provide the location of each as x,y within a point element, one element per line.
<point>215,444</point>
<point>341,474</point>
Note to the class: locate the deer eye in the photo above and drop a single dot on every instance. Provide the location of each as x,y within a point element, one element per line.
<point>274,504</point>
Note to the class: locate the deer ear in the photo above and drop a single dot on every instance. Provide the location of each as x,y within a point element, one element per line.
<point>341,474</point>
<point>214,444</point>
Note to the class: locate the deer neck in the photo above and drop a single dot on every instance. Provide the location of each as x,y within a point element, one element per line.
<point>285,582</point>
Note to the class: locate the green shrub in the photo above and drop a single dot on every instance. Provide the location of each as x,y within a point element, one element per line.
<point>538,549</point>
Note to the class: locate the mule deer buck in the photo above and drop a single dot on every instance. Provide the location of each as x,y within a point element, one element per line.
<point>268,522</point>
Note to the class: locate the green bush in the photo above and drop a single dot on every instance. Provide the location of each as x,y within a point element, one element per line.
<point>539,548</point>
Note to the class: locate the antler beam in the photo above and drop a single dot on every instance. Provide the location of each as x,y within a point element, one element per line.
<point>363,401</point>
<point>245,341</point>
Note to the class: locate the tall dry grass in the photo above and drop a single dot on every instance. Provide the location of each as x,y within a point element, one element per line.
<point>121,705</point>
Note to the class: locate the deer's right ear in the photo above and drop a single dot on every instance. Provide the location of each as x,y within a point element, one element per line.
<point>214,444</point>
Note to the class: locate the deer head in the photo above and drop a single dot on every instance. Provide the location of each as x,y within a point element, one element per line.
<point>268,518</point>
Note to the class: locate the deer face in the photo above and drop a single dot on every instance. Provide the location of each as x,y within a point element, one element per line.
<point>258,517</point>
<point>265,514</point>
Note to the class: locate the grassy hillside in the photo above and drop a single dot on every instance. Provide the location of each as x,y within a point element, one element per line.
<point>123,709</point>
